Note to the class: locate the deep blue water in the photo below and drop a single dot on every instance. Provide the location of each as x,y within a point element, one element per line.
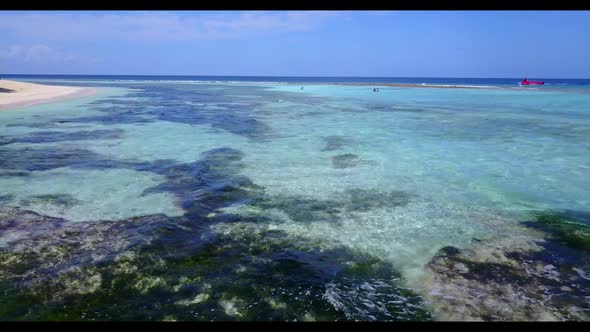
<point>304,79</point>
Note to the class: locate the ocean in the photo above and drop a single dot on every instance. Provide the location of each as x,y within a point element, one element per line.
<point>572,82</point>
<point>294,198</point>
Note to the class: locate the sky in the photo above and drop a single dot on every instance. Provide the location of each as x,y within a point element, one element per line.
<point>514,44</point>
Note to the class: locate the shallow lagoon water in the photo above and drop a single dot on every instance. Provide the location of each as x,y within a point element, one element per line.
<point>331,203</point>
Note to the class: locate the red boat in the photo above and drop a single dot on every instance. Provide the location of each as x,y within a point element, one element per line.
<point>527,82</point>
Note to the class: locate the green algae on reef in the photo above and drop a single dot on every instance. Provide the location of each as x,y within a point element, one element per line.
<point>567,227</point>
<point>98,272</point>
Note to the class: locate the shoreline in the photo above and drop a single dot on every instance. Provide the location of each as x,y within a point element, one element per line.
<point>23,94</point>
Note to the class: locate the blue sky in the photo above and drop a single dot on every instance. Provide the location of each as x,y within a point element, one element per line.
<point>536,44</point>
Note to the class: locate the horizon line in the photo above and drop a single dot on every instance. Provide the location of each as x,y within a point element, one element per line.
<point>302,76</point>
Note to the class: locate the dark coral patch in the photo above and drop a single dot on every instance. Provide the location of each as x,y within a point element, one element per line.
<point>346,160</point>
<point>57,136</point>
<point>336,142</point>
<point>363,199</point>
<point>65,200</point>
<point>154,268</point>
<point>571,228</point>
<point>520,285</point>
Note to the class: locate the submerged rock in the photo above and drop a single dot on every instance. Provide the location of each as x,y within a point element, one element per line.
<point>364,200</point>
<point>569,227</point>
<point>6,198</point>
<point>58,136</point>
<point>305,209</point>
<point>406,109</point>
<point>14,173</point>
<point>44,159</point>
<point>208,184</point>
<point>448,251</point>
<point>336,142</point>
<point>158,267</point>
<point>346,160</point>
<point>65,200</point>
<point>302,209</point>
<point>498,282</point>
<point>151,268</point>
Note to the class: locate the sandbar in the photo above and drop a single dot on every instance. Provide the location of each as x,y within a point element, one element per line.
<point>15,94</point>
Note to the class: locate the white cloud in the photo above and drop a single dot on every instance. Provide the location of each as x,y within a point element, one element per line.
<point>34,54</point>
<point>158,25</point>
<point>41,54</point>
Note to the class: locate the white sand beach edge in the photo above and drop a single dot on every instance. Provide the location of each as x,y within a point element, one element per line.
<point>19,94</point>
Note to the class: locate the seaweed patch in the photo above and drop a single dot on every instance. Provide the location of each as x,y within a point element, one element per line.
<point>101,271</point>
<point>336,142</point>
<point>349,160</point>
<point>571,228</point>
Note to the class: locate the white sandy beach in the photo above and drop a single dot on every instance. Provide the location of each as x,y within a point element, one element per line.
<point>18,94</point>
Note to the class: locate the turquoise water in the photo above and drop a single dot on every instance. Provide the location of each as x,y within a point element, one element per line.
<point>256,201</point>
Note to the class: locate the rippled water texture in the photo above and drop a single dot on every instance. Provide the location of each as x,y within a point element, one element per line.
<point>220,201</point>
